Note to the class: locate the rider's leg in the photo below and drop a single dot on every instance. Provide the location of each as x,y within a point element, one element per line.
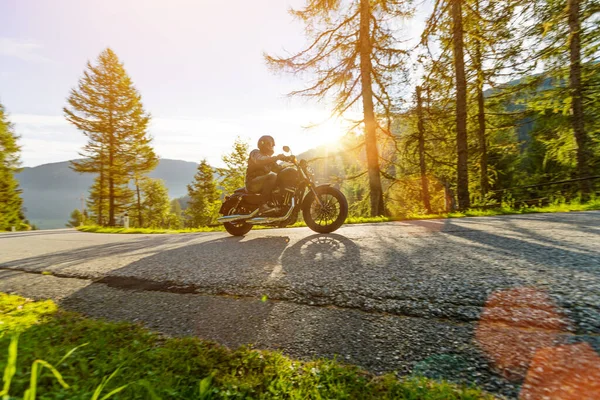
<point>269,181</point>
<point>265,185</point>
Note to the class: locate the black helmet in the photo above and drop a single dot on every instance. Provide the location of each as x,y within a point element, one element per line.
<point>266,144</point>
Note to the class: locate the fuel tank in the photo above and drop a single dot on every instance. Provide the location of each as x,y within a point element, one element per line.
<point>287,178</point>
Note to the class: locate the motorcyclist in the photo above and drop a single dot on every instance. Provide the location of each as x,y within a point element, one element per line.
<point>261,174</point>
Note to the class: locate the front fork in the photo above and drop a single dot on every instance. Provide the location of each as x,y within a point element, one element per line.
<point>311,186</point>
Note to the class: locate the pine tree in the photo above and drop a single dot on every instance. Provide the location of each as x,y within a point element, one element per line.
<point>494,51</point>
<point>11,213</point>
<point>203,206</point>
<point>97,201</point>
<point>421,141</point>
<point>108,109</point>
<point>355,57</point>
<point>176,215</point>
<point>567,42</point>
<point>478,37</point>
<point>76,219</point>
<point>155,204</point>
<point>142,160</point>
<point>233,175</point>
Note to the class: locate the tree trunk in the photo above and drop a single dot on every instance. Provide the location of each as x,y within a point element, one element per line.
<point>101,193</point>
<point>481,134</point>
<point>139,203</point>
<point>577,118</point>
<point>377,207</point>
<point>461,107</point>
<point>424,183</point>
<point>111,185</point>
<point>111,168</point>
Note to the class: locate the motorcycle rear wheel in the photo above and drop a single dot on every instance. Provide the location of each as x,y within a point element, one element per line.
<point>328,217</point>
<point>237,228</point>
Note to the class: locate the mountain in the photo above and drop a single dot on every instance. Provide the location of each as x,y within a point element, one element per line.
<point>52,191</point>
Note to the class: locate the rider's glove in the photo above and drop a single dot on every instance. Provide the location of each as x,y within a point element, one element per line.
<point>281,157</point>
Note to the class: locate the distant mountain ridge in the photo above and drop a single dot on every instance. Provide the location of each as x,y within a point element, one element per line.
<point>52,191</point>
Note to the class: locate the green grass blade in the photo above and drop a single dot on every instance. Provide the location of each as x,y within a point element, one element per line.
<point>104,382</point>
<point>204,388</point>
<point>11,366</point>
<point>71,352</point>
<point>99,389</point>
<point>31,392</point>
<point>54,371</point>
<point>117,390</point>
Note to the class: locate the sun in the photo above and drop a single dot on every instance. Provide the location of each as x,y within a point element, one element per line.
<point>329,130</point>
<point>312,128</point>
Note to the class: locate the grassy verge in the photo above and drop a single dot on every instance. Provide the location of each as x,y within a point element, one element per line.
<point>134,363</point>
<point>102,229</point>
<point>553,208</point>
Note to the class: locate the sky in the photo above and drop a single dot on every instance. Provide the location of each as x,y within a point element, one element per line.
<point>198,65</point>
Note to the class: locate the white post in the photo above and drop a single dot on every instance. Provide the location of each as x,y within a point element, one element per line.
<point>126,222</point>
<point>13,229</point>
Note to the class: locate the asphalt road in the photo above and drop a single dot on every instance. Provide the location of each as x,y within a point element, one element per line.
<point>470,300</point>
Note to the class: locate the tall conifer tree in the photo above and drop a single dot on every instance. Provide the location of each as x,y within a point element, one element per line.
<point>10,195</point>
<point>204,197</point>
<point>234,173</point>
<point>108,109</point>
<point>356,58</point>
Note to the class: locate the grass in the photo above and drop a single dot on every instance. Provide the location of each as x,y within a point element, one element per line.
<point>103,229</point>
<point>63,355</point>
<point>504,210</point>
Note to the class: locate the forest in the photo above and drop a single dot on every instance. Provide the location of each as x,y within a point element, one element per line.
<point>494,103</point>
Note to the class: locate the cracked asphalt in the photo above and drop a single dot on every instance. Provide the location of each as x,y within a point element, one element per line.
<point>470,300</point>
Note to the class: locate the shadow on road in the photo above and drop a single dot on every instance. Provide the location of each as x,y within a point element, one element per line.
<point>555,253</point>
<point>72,257</point>
<point>423,284</point>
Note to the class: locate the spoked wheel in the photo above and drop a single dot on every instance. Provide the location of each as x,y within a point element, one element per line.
<point>237,228</point>
<point>327,216</point>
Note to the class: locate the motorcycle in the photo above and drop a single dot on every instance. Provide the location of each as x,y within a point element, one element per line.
<point>324,208</point>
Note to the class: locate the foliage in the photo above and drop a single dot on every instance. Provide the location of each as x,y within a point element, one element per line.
<point>11,204</point>
<point>108,109</point>
<point>90,354</point>
<point>355,57</point>
<point>106,229</point>
<point>504,209</point>
<point>156,205</point>
<point>77,219</point>
<point>234,173</point>
<point>176,215</point>
<point>203,207</point>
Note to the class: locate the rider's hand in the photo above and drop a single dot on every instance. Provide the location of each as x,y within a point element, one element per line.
<point>290,159</point>
<point>280,157</point>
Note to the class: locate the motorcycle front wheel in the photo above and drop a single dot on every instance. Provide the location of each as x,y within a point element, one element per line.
<point>327,216</point>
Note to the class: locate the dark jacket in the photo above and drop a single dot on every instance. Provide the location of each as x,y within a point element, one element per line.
<point>260,164</point>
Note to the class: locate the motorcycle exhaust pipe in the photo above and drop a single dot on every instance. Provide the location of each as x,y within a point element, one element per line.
<point>237,217</point>
<point>259,220</point>
<point>270,220</point>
